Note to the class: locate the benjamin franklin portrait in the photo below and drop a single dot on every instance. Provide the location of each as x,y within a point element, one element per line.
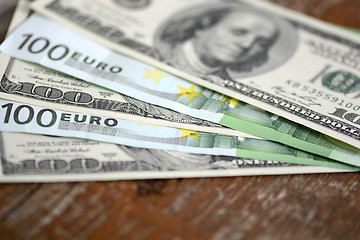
<point>225,41</point>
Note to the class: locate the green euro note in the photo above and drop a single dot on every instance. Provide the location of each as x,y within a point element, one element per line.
<point>21,117</point>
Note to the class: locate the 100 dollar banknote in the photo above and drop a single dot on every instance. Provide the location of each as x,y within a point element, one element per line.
<point>64,50</point>
<point>38,158</point>
<point>279,60</point>
<point>22,117</point>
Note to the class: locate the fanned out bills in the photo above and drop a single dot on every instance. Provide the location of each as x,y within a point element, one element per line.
<point>59,48</point>
<point>27,157</point>
<point>271,57</point>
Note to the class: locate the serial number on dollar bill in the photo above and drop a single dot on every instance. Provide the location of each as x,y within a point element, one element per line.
<point>321,94</point>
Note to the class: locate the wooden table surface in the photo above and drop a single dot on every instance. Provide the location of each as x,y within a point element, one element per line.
<point>319,206</point>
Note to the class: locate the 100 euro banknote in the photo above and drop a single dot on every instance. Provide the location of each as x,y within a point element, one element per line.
<point>22,117</point>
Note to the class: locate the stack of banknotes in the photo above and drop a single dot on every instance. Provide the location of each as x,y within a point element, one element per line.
<point>118,89</point>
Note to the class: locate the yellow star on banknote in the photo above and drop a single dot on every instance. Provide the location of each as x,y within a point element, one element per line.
<point>142,124</point>
<point>189,133</point>
<point>231,100</point>
<point>154,74</point>
<point>189,92</point>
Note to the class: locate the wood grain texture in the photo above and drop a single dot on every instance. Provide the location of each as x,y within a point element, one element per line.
<point>6,11</point>
<point>321,206</point>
